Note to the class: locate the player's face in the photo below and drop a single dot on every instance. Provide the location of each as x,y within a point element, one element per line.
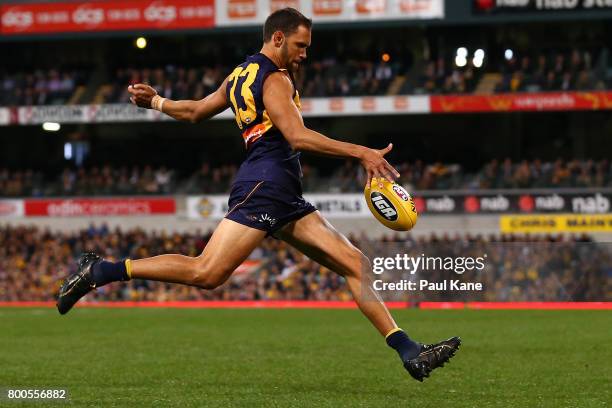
<point>293,50</point>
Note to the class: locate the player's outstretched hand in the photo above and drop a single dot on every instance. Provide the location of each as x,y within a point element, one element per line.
<point>141,95</point>
<point>376,166</point>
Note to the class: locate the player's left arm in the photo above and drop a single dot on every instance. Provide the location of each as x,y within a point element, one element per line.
<point>145,96</point>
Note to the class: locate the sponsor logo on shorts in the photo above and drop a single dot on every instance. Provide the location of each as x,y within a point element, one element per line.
<point>265,218</point>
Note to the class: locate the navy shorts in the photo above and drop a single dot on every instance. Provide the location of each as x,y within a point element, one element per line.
<point>265,205</point>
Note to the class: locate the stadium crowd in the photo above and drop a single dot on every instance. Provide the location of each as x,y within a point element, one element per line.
<point>33,261</point>
<point>41,87</point>
<point>572,71</point>
<point>443,77</point>
<point>341,75</point>
<point>539,72</point>
<point>318,79</point>
<point>349,177</point>
<point>332,76</point>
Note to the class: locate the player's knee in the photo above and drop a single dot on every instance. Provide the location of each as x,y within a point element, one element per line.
<point>205,282</point>
<point>357,263</point>
<point>206,276</point>
<point>362,265</point>
<point>365,264</point>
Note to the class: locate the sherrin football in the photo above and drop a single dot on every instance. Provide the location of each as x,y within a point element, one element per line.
<point>391,205</point>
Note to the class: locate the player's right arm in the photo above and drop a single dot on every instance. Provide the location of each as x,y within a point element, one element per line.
<point>145,96</point>
<point>284,114</point>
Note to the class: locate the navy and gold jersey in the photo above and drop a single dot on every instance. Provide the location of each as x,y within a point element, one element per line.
<point>269,155</point>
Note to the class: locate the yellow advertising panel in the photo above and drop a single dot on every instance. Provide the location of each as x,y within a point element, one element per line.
<point>556,223</point>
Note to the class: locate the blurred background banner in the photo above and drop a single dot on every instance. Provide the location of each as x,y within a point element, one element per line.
<point>538,6</point>
<point>11,208</point>
<point>556,223</point>
<point>346,205</point>
<point>99,207</point>
<point>65,17</point>
<point>235,12</point>
<point>325,107</point>
<point>531,102</point>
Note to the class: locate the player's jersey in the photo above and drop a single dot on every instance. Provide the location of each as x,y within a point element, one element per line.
<point>269,155</point>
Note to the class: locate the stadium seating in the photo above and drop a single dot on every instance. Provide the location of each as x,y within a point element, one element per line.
<point>565,70</point>
<point>42,87</point>
<point>124,180</point>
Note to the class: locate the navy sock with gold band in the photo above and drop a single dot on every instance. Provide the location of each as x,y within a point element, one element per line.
<point>104,272</point>
<point>400,342</point>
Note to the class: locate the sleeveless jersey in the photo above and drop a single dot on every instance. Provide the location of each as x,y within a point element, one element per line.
<point>269,157</point>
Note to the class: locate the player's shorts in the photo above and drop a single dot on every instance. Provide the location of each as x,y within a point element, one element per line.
<point>266,205</point>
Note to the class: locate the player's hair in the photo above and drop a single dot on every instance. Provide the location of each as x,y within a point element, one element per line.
<point>286,20</point>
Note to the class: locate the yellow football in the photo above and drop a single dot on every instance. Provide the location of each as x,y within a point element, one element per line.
<point>391,205</point>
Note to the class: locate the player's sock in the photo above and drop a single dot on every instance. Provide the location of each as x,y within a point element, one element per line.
<point>400,342</point>
<point>104,272</point>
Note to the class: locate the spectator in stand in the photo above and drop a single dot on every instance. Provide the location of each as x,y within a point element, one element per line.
<point>522,175</point>
<point>561,175</point>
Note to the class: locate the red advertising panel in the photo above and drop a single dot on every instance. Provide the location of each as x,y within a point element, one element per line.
<point>106,16</point>
<point>242,8</point>
<point>326,7</point>
<point>279,4</point>
<point>553,101</point>
<point>85,207</point>
<point>370,6</point>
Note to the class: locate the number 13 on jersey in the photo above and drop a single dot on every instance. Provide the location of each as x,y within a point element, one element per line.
<point>244,117</point>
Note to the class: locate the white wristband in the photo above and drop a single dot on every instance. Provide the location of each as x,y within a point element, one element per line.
<point>157,103</point>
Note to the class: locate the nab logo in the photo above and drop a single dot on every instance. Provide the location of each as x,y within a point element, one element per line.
<point>383,206</point>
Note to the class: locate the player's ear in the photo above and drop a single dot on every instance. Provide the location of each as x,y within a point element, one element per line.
<point>279,38</point>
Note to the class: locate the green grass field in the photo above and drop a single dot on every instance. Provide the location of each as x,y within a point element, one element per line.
<point>295,358</point>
